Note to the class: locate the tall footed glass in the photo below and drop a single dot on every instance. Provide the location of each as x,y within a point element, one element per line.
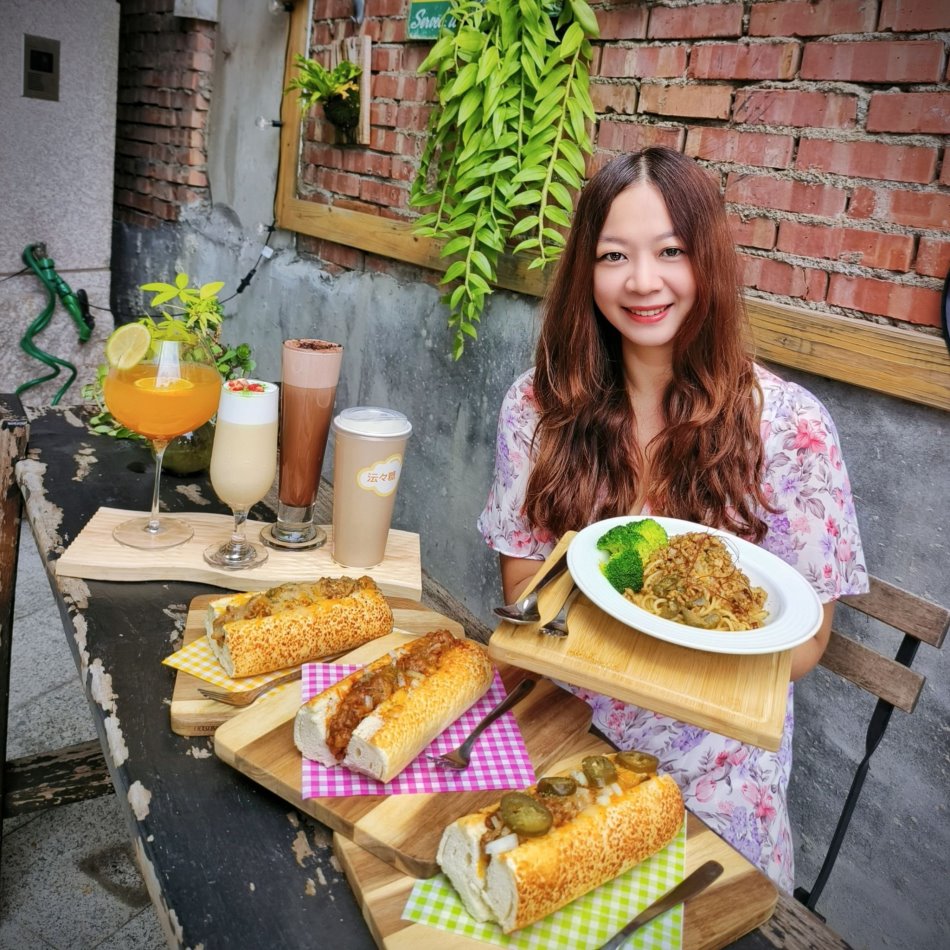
<point>243,464</point>
<point>160,389</point>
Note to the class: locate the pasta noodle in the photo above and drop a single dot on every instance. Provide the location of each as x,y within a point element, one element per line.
<point>694,580</point>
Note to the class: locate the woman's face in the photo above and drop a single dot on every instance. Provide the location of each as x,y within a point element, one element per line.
<point>643,279</point>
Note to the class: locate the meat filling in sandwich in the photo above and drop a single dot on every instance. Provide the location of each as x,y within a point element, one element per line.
<point>378,685</point>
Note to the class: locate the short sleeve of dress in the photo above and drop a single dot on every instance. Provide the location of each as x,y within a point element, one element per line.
<point>502,523</point>
<point>815,527</point>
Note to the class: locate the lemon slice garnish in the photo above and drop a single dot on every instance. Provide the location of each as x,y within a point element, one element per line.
<point>166,386</point>
<point>127,345</point>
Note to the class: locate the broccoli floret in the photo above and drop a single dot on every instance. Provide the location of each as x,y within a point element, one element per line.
<point>619,538</point>
<point>652,531</point>
<point>628,546</point>
<point>624,570</point>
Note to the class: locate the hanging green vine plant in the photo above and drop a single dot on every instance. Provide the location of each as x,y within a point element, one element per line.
<point>505,149</point>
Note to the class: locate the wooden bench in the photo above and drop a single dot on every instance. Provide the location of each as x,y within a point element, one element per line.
<point>891,680</point>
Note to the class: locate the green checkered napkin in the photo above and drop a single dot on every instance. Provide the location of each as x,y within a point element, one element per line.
<point>585,924</point>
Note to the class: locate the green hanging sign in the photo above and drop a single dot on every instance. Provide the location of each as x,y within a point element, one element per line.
<point>425,17</point>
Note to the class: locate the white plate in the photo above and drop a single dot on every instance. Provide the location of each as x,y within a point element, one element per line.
<point>795,613</point>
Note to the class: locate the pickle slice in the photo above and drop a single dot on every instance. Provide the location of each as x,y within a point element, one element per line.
<point>640,762</point>
<point>524,815</point>
<point>557,785</point>
<point>600,771</point>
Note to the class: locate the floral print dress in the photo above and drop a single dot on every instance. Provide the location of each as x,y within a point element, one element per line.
<point>739,790</point>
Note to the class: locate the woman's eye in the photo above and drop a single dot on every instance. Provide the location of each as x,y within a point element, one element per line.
<point>611,256</point>
<point>672,252</point>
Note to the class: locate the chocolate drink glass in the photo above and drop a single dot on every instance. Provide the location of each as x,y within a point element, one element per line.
<point>369,447</point>
<point>310,370</point>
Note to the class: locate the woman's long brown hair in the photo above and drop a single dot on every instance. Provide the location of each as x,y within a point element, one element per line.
<point>706,463</point>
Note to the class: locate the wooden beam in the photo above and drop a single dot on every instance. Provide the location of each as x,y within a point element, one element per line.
<point>898,362</point>
<point>73,774</point>
<point>891,360</point>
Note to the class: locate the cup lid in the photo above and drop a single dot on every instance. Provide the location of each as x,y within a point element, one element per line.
<point>373,421</point>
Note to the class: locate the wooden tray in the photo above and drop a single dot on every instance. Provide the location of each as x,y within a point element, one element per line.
<point>403,830</point>
<point>740,900</point>
<point>94,554</point>
<point>193,715</point>
<point>743,697</point>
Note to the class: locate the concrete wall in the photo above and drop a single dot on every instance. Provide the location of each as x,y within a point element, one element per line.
<point>896,452</point>
<point>56,183</point>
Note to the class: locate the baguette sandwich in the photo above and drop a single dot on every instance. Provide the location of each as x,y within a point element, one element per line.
<point>536,851</point>
<point>268,630</point>
<point>377,720</point>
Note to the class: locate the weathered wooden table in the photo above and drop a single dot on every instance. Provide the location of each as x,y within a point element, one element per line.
<point>227,863</point>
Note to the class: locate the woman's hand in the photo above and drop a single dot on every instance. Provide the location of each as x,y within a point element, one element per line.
<point>806,655</point>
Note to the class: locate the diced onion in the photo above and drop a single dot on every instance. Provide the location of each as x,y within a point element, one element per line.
<point>616,789</point>
<point>604,797</point>
<point>503,844</point>
<point>415,674</point>
<point>580,778</point>
<point>495,821</point>
<point>368,702</point>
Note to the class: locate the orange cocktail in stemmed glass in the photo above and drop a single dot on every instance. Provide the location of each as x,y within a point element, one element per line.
<point>160,388</point>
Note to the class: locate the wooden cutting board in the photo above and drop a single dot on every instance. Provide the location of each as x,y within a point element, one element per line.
<point>740,900</point>
<point>743,697</point>
<point>403,830</point>
<point>193,715</point>
<point>94,554</point>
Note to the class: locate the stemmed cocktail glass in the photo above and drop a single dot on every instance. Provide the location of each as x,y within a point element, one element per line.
<point>160,388</point>
<point>243,463</point>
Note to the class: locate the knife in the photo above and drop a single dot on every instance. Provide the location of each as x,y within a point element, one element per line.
<point>690,886</point>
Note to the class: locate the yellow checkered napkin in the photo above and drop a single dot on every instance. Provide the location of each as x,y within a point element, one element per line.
<point>198,660</point>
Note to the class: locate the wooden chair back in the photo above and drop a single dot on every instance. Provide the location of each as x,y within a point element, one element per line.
<point>891,680</point>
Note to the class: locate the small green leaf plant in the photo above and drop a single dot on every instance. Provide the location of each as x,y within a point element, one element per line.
<point>197,311</point>
<point>317,83</point>
<point>505,147</point>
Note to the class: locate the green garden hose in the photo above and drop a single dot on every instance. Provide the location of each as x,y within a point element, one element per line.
<point>77,306</point>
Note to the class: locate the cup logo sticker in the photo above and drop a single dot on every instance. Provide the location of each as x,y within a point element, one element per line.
<point>380,477</point>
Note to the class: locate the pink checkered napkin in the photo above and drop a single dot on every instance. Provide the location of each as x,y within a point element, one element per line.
<point>499,760</point>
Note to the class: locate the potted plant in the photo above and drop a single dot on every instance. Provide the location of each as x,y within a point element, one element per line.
<point>336,88</point>
<point>197,310</point>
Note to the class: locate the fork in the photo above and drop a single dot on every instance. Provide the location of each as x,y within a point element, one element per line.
<point>557,626</point>
<point>459,758</point>
<point>247,696</point>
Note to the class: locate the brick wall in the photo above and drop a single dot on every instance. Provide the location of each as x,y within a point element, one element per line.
<point>164,91</point>
<point>824,120</point>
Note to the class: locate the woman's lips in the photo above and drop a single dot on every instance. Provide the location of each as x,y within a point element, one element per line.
<point>648,314</point>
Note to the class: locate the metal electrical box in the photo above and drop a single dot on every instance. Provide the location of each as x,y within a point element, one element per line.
<point>40,67</point>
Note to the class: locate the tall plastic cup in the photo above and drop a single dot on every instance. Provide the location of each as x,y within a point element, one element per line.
<point>370,443</point>
<point>310,370</point>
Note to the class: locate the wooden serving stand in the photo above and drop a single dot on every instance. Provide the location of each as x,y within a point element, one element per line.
<point>743,697</point>
<point>738,901</point>
<point>95,555</point>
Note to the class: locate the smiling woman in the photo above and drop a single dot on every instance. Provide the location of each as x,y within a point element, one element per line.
<point>645,398</point>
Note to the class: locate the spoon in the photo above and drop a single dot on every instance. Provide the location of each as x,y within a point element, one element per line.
<point>525,610</point>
